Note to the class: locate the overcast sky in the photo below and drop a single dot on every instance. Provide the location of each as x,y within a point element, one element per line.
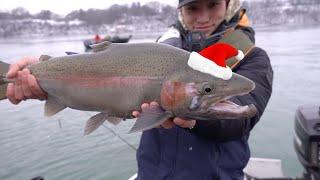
<point>65,6</point>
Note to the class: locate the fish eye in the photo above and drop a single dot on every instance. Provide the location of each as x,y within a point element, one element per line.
<point>207,88</point>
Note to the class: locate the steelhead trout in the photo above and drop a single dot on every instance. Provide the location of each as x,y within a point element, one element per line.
<point>117,78</point>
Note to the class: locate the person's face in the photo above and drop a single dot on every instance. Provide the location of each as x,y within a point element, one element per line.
<point>204,15</point>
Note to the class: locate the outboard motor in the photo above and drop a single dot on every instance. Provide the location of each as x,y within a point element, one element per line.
<point>307,140</point>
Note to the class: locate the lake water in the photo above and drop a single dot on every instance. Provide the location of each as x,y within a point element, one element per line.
<point>32,145</point>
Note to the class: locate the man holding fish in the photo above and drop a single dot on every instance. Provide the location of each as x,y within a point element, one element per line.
<point>195,125</point>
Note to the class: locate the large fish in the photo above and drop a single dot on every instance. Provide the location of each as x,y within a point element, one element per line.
<point>117,78</point>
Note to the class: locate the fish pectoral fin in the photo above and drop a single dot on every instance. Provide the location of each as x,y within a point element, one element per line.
<point>150,118</point>
<point>100,46</point>
<point>114,120</point>
<point>95,122</point>
<point>44,58</point>
<point>53,106</point>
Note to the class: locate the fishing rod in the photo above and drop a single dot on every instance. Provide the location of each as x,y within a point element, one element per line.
<point>120,137</point>
<point>117,135</point>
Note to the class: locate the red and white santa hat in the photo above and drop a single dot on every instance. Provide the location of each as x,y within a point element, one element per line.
<point>212,60</point>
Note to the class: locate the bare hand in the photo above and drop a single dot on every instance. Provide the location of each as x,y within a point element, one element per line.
<point>25,85</point>
<point>168,124</point>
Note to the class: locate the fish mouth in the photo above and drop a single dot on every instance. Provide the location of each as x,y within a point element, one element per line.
<point>227,109</point>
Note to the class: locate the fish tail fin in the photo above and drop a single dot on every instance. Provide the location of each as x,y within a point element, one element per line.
<point>4,67</point>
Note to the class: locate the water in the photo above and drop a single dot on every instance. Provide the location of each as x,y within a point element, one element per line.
<point>32,145</point>
<point>295,59</point>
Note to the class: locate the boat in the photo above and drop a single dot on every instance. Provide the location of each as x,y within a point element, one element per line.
<point>97,39</point>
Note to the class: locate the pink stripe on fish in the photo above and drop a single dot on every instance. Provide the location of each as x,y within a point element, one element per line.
<point>98,82</point>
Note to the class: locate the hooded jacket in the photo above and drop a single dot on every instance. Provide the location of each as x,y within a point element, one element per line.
<point>216,149</point>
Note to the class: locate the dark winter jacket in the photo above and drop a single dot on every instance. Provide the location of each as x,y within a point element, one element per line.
<point>216,149</point>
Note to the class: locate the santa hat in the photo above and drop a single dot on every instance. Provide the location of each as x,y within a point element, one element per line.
<point>212,60</point>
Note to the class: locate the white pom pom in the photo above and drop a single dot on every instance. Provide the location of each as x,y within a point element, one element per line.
<point>240,55</point>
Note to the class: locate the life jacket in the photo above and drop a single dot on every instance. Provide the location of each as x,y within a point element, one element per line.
<point>238,39</point>
<point>228,32</point>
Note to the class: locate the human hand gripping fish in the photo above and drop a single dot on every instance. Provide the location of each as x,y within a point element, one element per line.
<point>25,85</point>
<point>117,78</point>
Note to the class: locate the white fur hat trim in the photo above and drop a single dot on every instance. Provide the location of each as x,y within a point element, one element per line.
<point>204,65</point>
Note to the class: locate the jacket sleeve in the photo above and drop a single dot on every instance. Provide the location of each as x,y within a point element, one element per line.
<point>256,66</point>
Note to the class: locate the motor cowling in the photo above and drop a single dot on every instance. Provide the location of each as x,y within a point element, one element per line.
<point>307,139</point>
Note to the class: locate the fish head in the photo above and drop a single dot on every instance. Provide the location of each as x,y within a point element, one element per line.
<point>204,97</point>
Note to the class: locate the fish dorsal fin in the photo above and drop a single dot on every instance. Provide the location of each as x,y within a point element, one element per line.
<point>44,58</point>
<point>53,106</point>
<point>95,122</point>
<point>150,118</point>
<point>100,46</point>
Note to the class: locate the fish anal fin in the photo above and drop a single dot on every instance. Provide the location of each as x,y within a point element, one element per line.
<point>114,120</point>
<point>53,106</point>
<point>44,58</point>
<point>100,46</point>
<point>95,122</point>
<point>150,118</point>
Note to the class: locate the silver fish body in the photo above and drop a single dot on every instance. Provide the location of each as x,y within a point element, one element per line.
<point>117,78</point>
